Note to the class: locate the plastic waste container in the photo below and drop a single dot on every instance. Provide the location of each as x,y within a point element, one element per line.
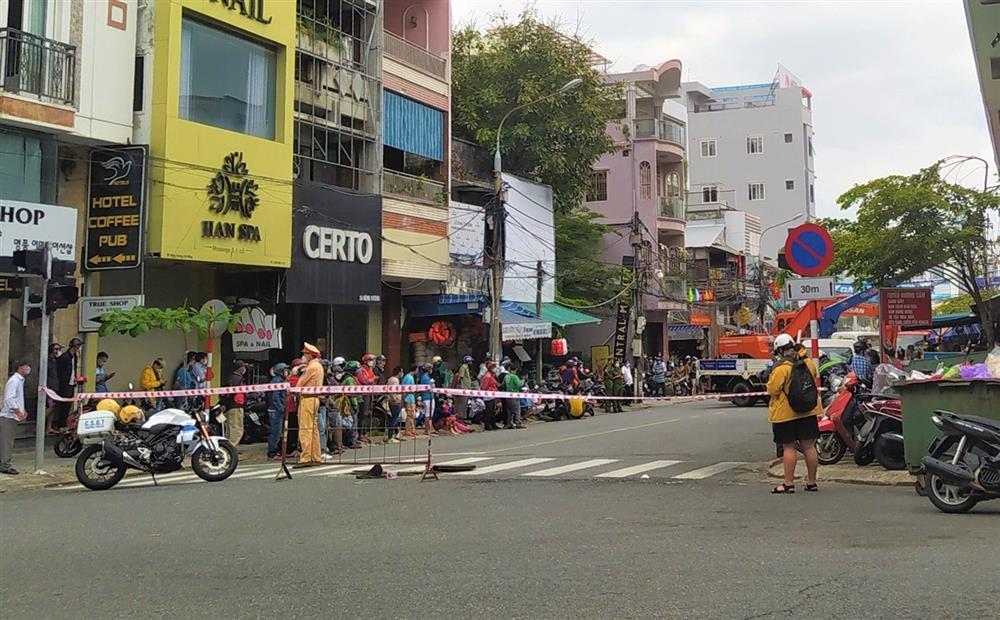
<point>921,398</point>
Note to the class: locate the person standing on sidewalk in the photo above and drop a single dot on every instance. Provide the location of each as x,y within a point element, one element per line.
<point>101,374</point>
<point>627,381</point>
<point>410,404</point>
<point>489,384</point>
<point>791,427</point>
<point>276,401</point>
<point>463,381</point>
<point>12,414</point>
<point>234,404</point>
<point>513,382</point>
<point>395,406</point>
<point>427,399</point>
<point>312,376</point>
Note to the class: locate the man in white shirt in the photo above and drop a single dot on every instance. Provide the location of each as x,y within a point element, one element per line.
<point>11,414</point>
<point>627,379</point>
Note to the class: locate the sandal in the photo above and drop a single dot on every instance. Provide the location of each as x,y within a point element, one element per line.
<point>812,488</point>
<point>783,488</point>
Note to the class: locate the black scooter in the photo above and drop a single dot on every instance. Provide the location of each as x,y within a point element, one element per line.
<point>963,467</point>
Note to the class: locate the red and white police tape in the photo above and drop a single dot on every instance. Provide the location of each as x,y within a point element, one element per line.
<point>373,389</point>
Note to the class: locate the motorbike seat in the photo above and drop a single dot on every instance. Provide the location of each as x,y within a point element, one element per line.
<point>987,422</point>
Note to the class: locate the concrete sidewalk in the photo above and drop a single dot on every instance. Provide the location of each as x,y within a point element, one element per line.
<point>849,473</point>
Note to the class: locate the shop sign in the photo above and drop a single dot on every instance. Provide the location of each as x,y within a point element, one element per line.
<point>11,287</point>
<point>255,331</point>
<point>525,331</point>
<point>336,247</point>
<point>91,308</point>
<point>251,9</point>
<point>29,225</point>
<point>114,208</point>
<point>232,191</point>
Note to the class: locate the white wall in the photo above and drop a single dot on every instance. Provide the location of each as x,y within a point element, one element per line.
<point>530,237</point>
<point>107,72</point>
<point>733,168</point>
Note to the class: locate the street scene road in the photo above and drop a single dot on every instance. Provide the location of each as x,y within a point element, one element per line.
<point>503,543</point>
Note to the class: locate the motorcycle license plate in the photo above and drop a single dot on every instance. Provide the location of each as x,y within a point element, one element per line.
<point>221,418</point>
<point>255,417</point>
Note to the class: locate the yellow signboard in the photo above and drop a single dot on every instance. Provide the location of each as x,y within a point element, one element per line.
<point>221,132</point>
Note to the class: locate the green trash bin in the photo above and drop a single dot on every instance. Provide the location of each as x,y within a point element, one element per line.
<point>921,398</point>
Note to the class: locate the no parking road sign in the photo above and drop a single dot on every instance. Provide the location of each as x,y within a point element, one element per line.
<point>809,249</point>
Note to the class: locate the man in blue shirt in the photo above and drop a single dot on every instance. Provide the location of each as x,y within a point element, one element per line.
<point>860,364</point>
<point>427,399</point>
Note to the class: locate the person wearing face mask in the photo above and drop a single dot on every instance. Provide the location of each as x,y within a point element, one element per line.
<point>365,376</point>
<point>12,413</point>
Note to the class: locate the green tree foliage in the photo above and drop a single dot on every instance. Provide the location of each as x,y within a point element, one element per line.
<point>515,62</point>
<point>907,225</point>
<point>555,141</point>
<point>581,277</point>
<point>140,320</point>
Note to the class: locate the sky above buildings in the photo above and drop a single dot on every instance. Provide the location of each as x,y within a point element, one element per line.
<point>894,83</point>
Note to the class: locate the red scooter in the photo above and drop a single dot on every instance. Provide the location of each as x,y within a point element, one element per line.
<point>847,414</point>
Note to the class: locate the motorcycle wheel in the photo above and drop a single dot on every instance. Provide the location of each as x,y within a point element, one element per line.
<point>67,446</point>
<point>93,477</point>
<point>588,409</point>
<point>830,447</point>
<point>215,467</point>
<point>887,457</point>
<point>949,498</point>
<point>864,456</point>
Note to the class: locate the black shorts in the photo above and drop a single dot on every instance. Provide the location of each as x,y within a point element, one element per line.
<point>799,429</point>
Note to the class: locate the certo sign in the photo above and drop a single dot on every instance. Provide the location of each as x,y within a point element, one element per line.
<point>336,247</point>
<point>114,208</point>
<point>91,309</point>
<point>252,9</point>
<point>232,191</point>
<point>323,243</point>
<point>29,225</point>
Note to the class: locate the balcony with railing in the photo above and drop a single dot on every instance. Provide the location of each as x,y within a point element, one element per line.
<point>36,67</point>
<point>671,207</point>
<point>415,57</point>
<point>408,186</point>
<point>661,129</point>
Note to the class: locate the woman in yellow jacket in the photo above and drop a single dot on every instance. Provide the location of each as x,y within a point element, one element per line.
<point>151,379</point>
<point>789,426</point>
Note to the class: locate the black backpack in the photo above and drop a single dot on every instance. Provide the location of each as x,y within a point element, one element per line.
<point>801,392</point>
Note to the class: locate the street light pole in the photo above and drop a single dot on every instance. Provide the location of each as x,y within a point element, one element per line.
<point>497,215</point>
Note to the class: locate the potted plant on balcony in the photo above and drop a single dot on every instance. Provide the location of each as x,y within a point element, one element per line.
<point>320,36</point>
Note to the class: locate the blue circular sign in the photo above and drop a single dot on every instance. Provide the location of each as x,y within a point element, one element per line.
<point>809,249</point>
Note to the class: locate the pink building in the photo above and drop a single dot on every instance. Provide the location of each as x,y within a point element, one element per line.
<point>646,174</point>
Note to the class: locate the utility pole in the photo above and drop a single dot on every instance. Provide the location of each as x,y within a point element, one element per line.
<point>496,222</point>
<point>638,319</point>
<point>539,278</point>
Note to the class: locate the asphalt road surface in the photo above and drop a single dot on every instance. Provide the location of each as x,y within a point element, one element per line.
<point>557,521</point>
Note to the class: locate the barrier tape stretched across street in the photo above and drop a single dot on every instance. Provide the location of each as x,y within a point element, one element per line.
<point>378,389</point>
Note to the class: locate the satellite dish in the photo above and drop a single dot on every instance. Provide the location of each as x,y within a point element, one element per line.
<point>218,306</point>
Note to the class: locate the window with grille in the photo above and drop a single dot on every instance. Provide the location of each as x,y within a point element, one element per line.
<point>789,184</point>
<point>598,190</point>
<point>709,148</point>
<point>645,180</point>
<point>755,191</point>
<point>755,145</point>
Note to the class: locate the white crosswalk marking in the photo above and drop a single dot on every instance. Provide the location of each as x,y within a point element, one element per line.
<point>555,471</point>
<point>504,466</point>
<point>637,469</point>
<point>706,472</point>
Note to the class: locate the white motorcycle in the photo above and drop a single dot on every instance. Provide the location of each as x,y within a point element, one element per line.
<point>157,446</point>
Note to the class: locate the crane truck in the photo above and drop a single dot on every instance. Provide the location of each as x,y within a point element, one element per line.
<point>743,358</point>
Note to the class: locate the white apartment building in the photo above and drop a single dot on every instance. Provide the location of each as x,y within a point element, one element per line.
<point>751,148</point>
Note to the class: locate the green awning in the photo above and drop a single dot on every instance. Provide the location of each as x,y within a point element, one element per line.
<point>563,316</point>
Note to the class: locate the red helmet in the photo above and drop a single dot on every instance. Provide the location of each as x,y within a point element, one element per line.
<point>367,357</point>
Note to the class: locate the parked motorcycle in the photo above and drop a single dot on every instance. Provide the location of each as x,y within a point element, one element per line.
<point>881,436</point>
<point>256,423</point>
<point>157,446</point>
<point>839,424</point>
<point>68,444</point>
<point>963,466</point>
